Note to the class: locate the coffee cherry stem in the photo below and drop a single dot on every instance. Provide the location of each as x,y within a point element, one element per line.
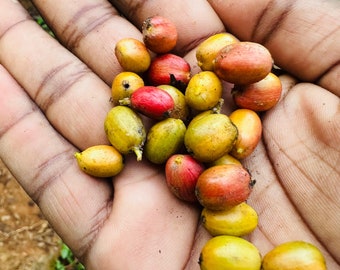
<point>125,101</point>
<point>218,107</point>
<point>139,152</point>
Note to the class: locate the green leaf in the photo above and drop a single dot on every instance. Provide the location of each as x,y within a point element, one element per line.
<point>59,265</point>
<point>65,252</point>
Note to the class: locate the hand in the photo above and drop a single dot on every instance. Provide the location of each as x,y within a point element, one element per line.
<point>136,223</point>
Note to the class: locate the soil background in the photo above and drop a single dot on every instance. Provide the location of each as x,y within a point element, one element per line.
<point>27,241</point>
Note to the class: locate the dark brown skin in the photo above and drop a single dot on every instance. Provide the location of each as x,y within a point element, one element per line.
<point>50,116</point>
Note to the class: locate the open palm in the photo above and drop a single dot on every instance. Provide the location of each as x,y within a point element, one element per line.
<point>136,223</point>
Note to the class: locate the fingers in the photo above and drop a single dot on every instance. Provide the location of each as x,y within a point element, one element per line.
<point>302,36</point>
<point>96,25</point>
<point>76,205</point>
<point>68,83</point>
<point>195,20</point>
<point>90,30</point>
<point>73,98</point>
<point>303,143</point>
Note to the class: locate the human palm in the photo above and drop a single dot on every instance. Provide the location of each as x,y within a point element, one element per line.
<point>136,223</point>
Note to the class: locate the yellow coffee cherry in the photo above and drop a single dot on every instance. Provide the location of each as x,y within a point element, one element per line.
<point>249,126</point>
<point>100,161</point>
<point>239,220</point>
<point>164,139</point>
<point>206,52</point>
<point>125,130</point>
<point>181,109</point>
<point>132,55</point>
<point>209,136</point>
<point>124,84</point>
<point>203,91</point>
<point>294,255</point>
<point>229,252</point>
<point>225,159</point>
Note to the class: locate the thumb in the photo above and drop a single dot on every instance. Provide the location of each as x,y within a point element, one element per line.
<point>303,36</point>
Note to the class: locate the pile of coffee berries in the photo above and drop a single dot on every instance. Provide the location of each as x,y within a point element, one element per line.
<point>200,147</point>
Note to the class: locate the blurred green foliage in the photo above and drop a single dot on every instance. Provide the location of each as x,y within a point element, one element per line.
<point>67,261</point>
<point>43,25</point>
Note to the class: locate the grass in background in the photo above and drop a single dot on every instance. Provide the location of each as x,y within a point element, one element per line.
<point>43,25</point>
<point>67,261</point>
